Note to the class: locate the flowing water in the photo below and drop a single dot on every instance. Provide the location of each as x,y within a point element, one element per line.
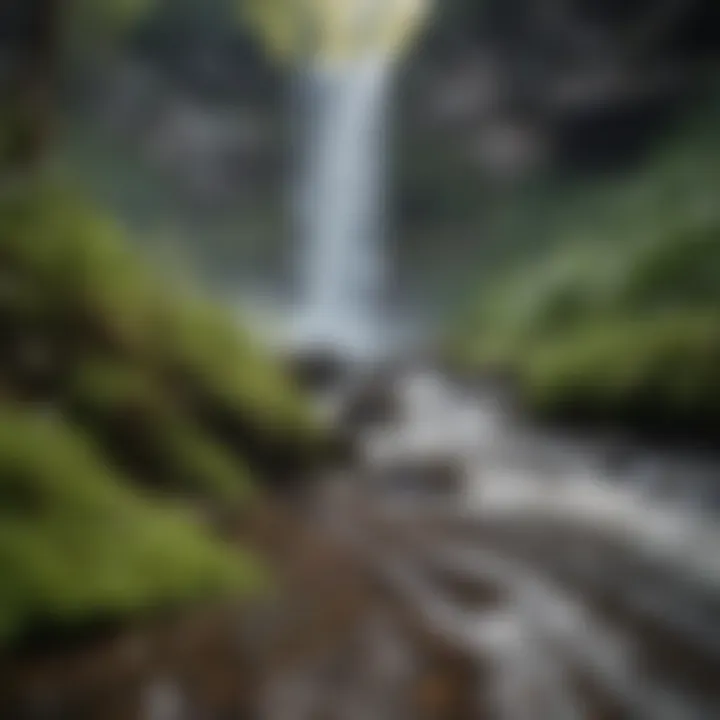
<point>576,581</point>
<point>576,585</point>
<point>349,51</point>
<point>339,203</point>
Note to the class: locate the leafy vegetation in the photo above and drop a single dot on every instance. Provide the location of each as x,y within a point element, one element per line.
<point>122,396</point>
<point>623,318</point>
<point>77,542</point>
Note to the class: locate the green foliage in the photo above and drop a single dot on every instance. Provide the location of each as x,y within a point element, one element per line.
<point>81,287</point>
<point>76,541</point>
<point>152,397</point>
<point>145,430</point>
<point>664,364</point>
<point>624,315</point>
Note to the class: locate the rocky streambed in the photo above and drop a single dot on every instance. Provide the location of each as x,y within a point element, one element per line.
<point>458,565</point>
<point>520,575</point>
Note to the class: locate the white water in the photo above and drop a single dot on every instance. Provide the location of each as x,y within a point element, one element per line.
<point>573,593</point>
<point>558,534</point>
<point>339,198</point>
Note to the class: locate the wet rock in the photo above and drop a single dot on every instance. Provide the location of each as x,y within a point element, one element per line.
<point>372,403</point>
<point>341,448</point>
<point>163,701</point>
<point>434,477</point>
<point>319,371</point>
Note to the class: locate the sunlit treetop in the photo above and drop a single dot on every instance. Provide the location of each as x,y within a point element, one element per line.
<point>334,31</point>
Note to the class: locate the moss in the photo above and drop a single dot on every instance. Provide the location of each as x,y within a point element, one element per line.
<point>79,287</point>
<point>667,363</point>
<point>153,397</point>
<point>77,541</point>
<point>622,319</point>
<point>143,428</point>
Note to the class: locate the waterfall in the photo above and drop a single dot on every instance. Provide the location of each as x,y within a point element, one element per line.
<point>339,202</point>
<point>343,54</point>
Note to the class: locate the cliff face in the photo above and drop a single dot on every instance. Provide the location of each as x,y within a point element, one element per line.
<point>497,95</point>
<point>590,80</point>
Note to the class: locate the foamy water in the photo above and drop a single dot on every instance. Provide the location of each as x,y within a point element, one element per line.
<point>340,204</point>
<point>556,534</point>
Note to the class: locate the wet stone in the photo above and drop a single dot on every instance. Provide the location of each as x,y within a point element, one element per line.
<point>319,371</point>
<point>426,477</point>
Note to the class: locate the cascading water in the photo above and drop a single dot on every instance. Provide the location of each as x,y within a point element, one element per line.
<point>344,53</point>
<point>340,204</point>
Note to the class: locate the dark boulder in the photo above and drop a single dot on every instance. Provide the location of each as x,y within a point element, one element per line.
<point>422,477</point>
<point>372,402</point>
<point>318,371</point>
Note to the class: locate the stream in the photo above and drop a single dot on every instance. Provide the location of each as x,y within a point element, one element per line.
<point>577,580</point>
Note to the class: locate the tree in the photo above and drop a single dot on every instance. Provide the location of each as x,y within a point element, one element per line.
<point>36,34</point>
